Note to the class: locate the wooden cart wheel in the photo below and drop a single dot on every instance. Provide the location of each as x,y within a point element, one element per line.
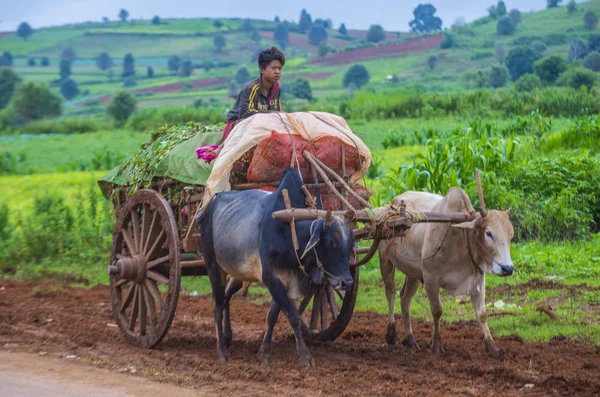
<point>331,309</point>
<point>145,269</point>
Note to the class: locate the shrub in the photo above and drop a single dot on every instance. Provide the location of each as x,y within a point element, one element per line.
<point>34,101</point>
<point>520,61</point>
<point>67,125</point>
<point>590,20</point>
<point>148,119</point>
<point>8,83</point>
<point>449,41</point>
<point>539,47</point>
<point>69,89</point>
<point>481,55</point>
<point>498,76</point>
<point>528,83</point>
<point>556,39</point>
<point>572,7</point>
<point>577,77</point>
<point>505,26</point>
<point>300,88</point>
<point>121,106</point>
<point>577,50</point>
<point>592,61</point>
<point>242,76</point>
<point>375,34</point>
<point>432,61</point>
<point>356,74</point>
<point>549,68</point>
<point>515,15</point>
<point>594,42</point>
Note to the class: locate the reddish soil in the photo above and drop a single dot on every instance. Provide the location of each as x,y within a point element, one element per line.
<point>310,76</point>
<point>363,34</point>
<point>301,41</point>
<point>174,87</point>
<point>59,321</point>
<point>2,34</point>
<point>385,50</point>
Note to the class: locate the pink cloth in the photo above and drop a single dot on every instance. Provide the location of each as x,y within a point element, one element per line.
<point>203,154</point>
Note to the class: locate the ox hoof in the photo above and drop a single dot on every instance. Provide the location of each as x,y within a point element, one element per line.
<point>307,362</point>
<point>411,343</point>
<point>223,356</point>
<point>265,358</point>
<point>491,348</point>
<point>438,348</point>
<point>391,335</point>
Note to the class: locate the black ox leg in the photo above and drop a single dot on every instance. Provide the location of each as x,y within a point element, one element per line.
<point>232,287</point>
<point>214,274</point>
<point>265,347</point>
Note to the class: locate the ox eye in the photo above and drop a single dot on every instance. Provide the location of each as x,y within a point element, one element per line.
<point>489,234</point>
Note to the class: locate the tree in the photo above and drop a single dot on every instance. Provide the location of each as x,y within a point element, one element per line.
<point>6,59</point>
<point>449,41</point>
<point>255,36</point>
<point>45,61</point>
<point>35,101</point>
<point>220,42</point>
<point>242,76</point>
<point>174,63</point>
<point>357,74</point>
<point>505,26</point>
<point>500,53</point>
<point>247,25</point>
<point>69,89</point>
<point>492,12</point>
<point>276,20</point>
<point>208,65</point>
<point>121,107</point>
<point>594,42</point>
<point>515,15</point>
<point>590,20</point>
<point>24,30</point>
<point>69,54</point>
<point>156,20</point>
<point>528,82</point>
<point>218,24</point>
<point>498,76</point>
<point>305,22</point>
<point>539,47</point>
<point>186,69</point>
<point>103,61</point>
<point>317,35</point>
<point>572,7</point>
<point>520,61</point>
<point>64,69</point>
<point>300,88</point>
<point>105,19</point>
<point>150,72</point>
<point>281,35</point>
<point>432,61</point>
<point>324,49</point>
<point>342,30</point>
<point>501,9</point>
<point>375,34</point>
<point>592,61</point>
<point>8,82</point>
<point>553,3</point>
<point>425,21</point>
<point>577,50</point>
<point>232,89</point>
<point>549,68</point>
<point>128,66</point>
<point>31,62</point>
<point>123,15</point>
<point>577,77</point>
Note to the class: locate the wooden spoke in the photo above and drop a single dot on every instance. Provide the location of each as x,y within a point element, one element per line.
<point>158,261</point>
<point>306,301</point>
<point>142,304</point>
<point>316,308</point>
<point>335,308</point>
<point>157,244</point>
<point>128,241</point>
<point>150,231</point>
<point>135,220</point>
<point>121,283</point>
<point>151,307</point>
<point>154,292</point>
<point>157,277</point>
<point>324,310</point>
<point>145,227</point>
<point>134,312</point>
<point>128,299</point>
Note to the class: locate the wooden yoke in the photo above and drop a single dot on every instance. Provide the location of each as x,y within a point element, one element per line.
<point>288,206</point>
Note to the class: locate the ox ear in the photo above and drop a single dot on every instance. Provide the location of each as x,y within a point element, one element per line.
<point>508,211</point>
<point>315,236</point>
<point>469,225</point>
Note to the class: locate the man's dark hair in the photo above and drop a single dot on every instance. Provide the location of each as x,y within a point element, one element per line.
<point>270,54</point>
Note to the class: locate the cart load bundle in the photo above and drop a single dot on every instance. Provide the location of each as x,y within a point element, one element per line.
<point>169,155</point>
<point>261,147</point>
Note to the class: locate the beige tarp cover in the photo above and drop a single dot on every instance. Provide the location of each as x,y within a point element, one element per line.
<point>251,131</point>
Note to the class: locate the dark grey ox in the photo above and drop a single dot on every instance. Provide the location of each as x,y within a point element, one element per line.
<point>453,257</point>
<point>241,239</point>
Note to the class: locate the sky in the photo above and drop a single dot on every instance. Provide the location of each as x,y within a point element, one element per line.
<point>393,15</point>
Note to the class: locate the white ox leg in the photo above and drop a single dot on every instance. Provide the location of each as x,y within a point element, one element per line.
<point>411,285</point>
<point>478,300</point>
<point>387,274</point>
<point>432,288</point>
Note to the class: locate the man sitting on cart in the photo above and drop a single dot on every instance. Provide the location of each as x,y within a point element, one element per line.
<point>259,95</point>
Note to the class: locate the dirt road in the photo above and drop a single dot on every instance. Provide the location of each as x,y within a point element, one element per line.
<point>75,327</point>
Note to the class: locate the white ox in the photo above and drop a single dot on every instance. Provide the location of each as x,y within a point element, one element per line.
<point>441,255</point>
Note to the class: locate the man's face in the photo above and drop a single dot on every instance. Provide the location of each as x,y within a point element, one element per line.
<point>272,72</point>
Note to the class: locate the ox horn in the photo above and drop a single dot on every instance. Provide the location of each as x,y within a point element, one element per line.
<point>482,210</point>
<point>328,218</point>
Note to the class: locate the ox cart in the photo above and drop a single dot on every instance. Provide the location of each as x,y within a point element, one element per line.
<point>156,238</point>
